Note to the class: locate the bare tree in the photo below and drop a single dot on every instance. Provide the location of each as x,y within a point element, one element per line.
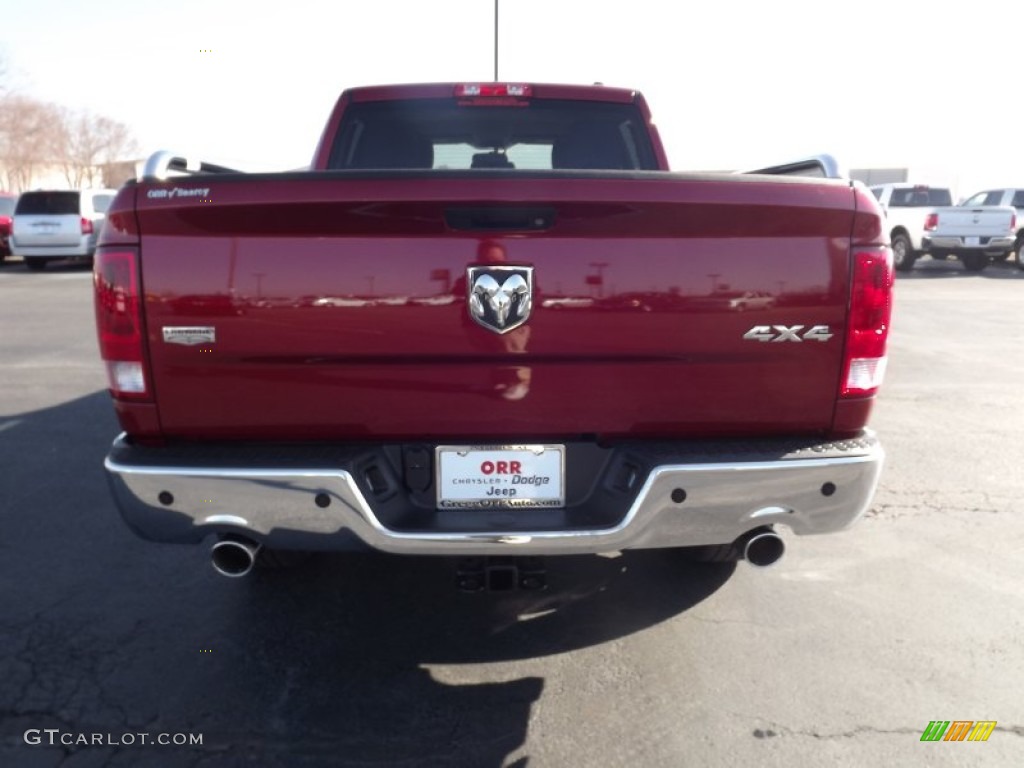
<point>37,136</point>
<point>4,178</point>
<point>30,138</point>
<point>89,142</point>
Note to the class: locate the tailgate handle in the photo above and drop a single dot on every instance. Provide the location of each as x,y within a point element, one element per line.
<point>489,219</point>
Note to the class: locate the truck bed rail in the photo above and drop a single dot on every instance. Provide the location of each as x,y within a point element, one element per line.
<point>164,164</point>
<point>818,166</point>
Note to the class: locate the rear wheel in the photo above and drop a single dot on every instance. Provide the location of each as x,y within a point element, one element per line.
<point>975,262</point>
<point>35,263</point>
<point>903,256</point>
<point>1019,247</point>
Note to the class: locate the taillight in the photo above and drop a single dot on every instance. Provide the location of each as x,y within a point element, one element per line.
<point>868,328</point>
<point>931,222</point>
<point>119,321</point>
<point>86,226</point>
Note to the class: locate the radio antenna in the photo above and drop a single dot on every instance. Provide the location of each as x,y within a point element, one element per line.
<point>495,40</point>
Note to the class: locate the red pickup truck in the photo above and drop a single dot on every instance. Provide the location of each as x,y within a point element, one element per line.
<point>490,322</point>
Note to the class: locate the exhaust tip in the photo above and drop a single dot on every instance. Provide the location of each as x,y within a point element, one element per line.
<point>763,548</point>
<point>234,556</point>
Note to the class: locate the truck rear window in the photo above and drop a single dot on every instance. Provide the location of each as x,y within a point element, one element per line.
<point>541,135</point>
<point>48,203</point>
<point>920,196</point>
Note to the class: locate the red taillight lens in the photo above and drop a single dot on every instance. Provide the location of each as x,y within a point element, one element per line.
<point>868,329</point>
<point>119,321</point>
<point>86,226</point>
<point>931,222</point>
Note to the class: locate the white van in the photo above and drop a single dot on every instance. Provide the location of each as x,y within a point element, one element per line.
<point>58,224</point>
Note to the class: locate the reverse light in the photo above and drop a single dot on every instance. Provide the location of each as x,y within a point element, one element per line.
<point>868,329</point>
<point>87,228</point>
<point>119,321</point>
<point>488,90</point>
<point>931,222</point>
<point>127,378</point>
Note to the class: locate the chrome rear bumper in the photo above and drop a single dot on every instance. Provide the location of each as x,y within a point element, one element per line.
<point>985,244</point>
<point>816,489</point>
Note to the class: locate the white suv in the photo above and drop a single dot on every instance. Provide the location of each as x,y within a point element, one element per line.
<point>58,224</point>
<point>1014,197</point>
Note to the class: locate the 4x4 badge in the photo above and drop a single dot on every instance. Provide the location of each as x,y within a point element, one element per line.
<point>500,298</point>
<point>776,333</point>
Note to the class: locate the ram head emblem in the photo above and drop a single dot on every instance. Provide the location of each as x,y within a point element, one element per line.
<point>500,298</point>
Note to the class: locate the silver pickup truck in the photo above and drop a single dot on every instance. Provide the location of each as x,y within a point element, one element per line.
<point>974,235</point>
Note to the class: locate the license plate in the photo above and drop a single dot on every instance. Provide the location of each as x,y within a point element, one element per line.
<point>972,241</point>
<point>503,477</point>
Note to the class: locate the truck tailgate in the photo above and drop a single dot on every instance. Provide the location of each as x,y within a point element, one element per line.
<point>335,306</point>
<point>982,222</point>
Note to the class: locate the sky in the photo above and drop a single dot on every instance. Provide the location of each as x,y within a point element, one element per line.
<point>732,85</point>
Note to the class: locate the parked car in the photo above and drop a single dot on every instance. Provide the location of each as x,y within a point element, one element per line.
<point>58,224</point>
<point>1011,196</point>
<point>7,202</point>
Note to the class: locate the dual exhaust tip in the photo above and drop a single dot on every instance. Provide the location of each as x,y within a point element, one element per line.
<point>235,556</point>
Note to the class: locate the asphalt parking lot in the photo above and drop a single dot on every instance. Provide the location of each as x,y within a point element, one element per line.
<point>840,655</point>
